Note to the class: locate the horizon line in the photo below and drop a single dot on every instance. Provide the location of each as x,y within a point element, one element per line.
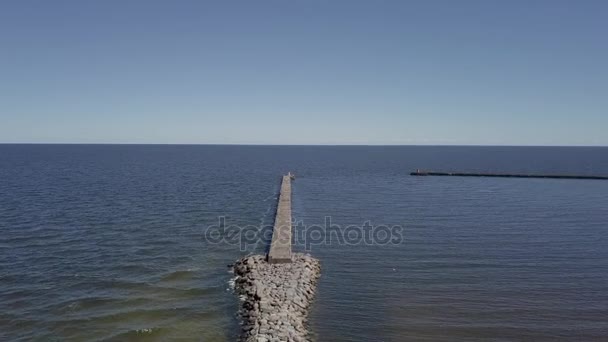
<point>262,144</point>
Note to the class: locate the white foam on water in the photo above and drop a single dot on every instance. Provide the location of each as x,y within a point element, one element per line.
<point>231,283</point>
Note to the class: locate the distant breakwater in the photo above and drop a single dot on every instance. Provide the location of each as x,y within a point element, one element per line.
<point>276,290</point>
<point>504,175</point>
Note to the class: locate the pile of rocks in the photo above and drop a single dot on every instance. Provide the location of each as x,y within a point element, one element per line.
<point>275,297</point>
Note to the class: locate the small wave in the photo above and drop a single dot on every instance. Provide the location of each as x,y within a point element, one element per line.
<point>162,289</point>
<point>179,275</point>
<point>486,191</point>
<point>88,303</point>
<point>141,334</point>
<point>92,304</point>
<point>191,292</point>
<point>134,316</point>
<point>119,284</point>
<point>136,268</point>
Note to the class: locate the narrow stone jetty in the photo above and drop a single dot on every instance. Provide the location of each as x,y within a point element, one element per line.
<point>280,247</point>
<point>275,297</point>
<point>506,175</point>
<point>276,290</point>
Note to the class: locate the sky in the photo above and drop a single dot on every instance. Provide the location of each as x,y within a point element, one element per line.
<point>304,72</point>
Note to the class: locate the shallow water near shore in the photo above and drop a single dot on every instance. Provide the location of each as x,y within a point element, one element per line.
<point>106,242</point>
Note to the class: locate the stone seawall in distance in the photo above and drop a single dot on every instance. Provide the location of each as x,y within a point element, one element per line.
<point>275,297</point>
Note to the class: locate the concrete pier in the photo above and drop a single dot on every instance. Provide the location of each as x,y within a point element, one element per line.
<point>505,175</point>
<point>277,290</point>
<point>280,247</point>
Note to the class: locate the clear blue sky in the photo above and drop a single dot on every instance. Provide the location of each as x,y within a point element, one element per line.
<point>304,72</point>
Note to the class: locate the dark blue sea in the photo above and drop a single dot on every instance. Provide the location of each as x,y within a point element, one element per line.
<point>107,242</point>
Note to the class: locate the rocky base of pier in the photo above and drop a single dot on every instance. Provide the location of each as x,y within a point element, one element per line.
<point>275,297</point>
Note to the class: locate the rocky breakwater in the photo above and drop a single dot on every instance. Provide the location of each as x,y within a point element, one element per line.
<point>275,297</point>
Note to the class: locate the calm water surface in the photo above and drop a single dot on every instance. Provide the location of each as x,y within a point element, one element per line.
<point>106,242</point>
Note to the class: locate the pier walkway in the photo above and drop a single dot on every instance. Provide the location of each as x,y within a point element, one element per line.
<point>280,247</point>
